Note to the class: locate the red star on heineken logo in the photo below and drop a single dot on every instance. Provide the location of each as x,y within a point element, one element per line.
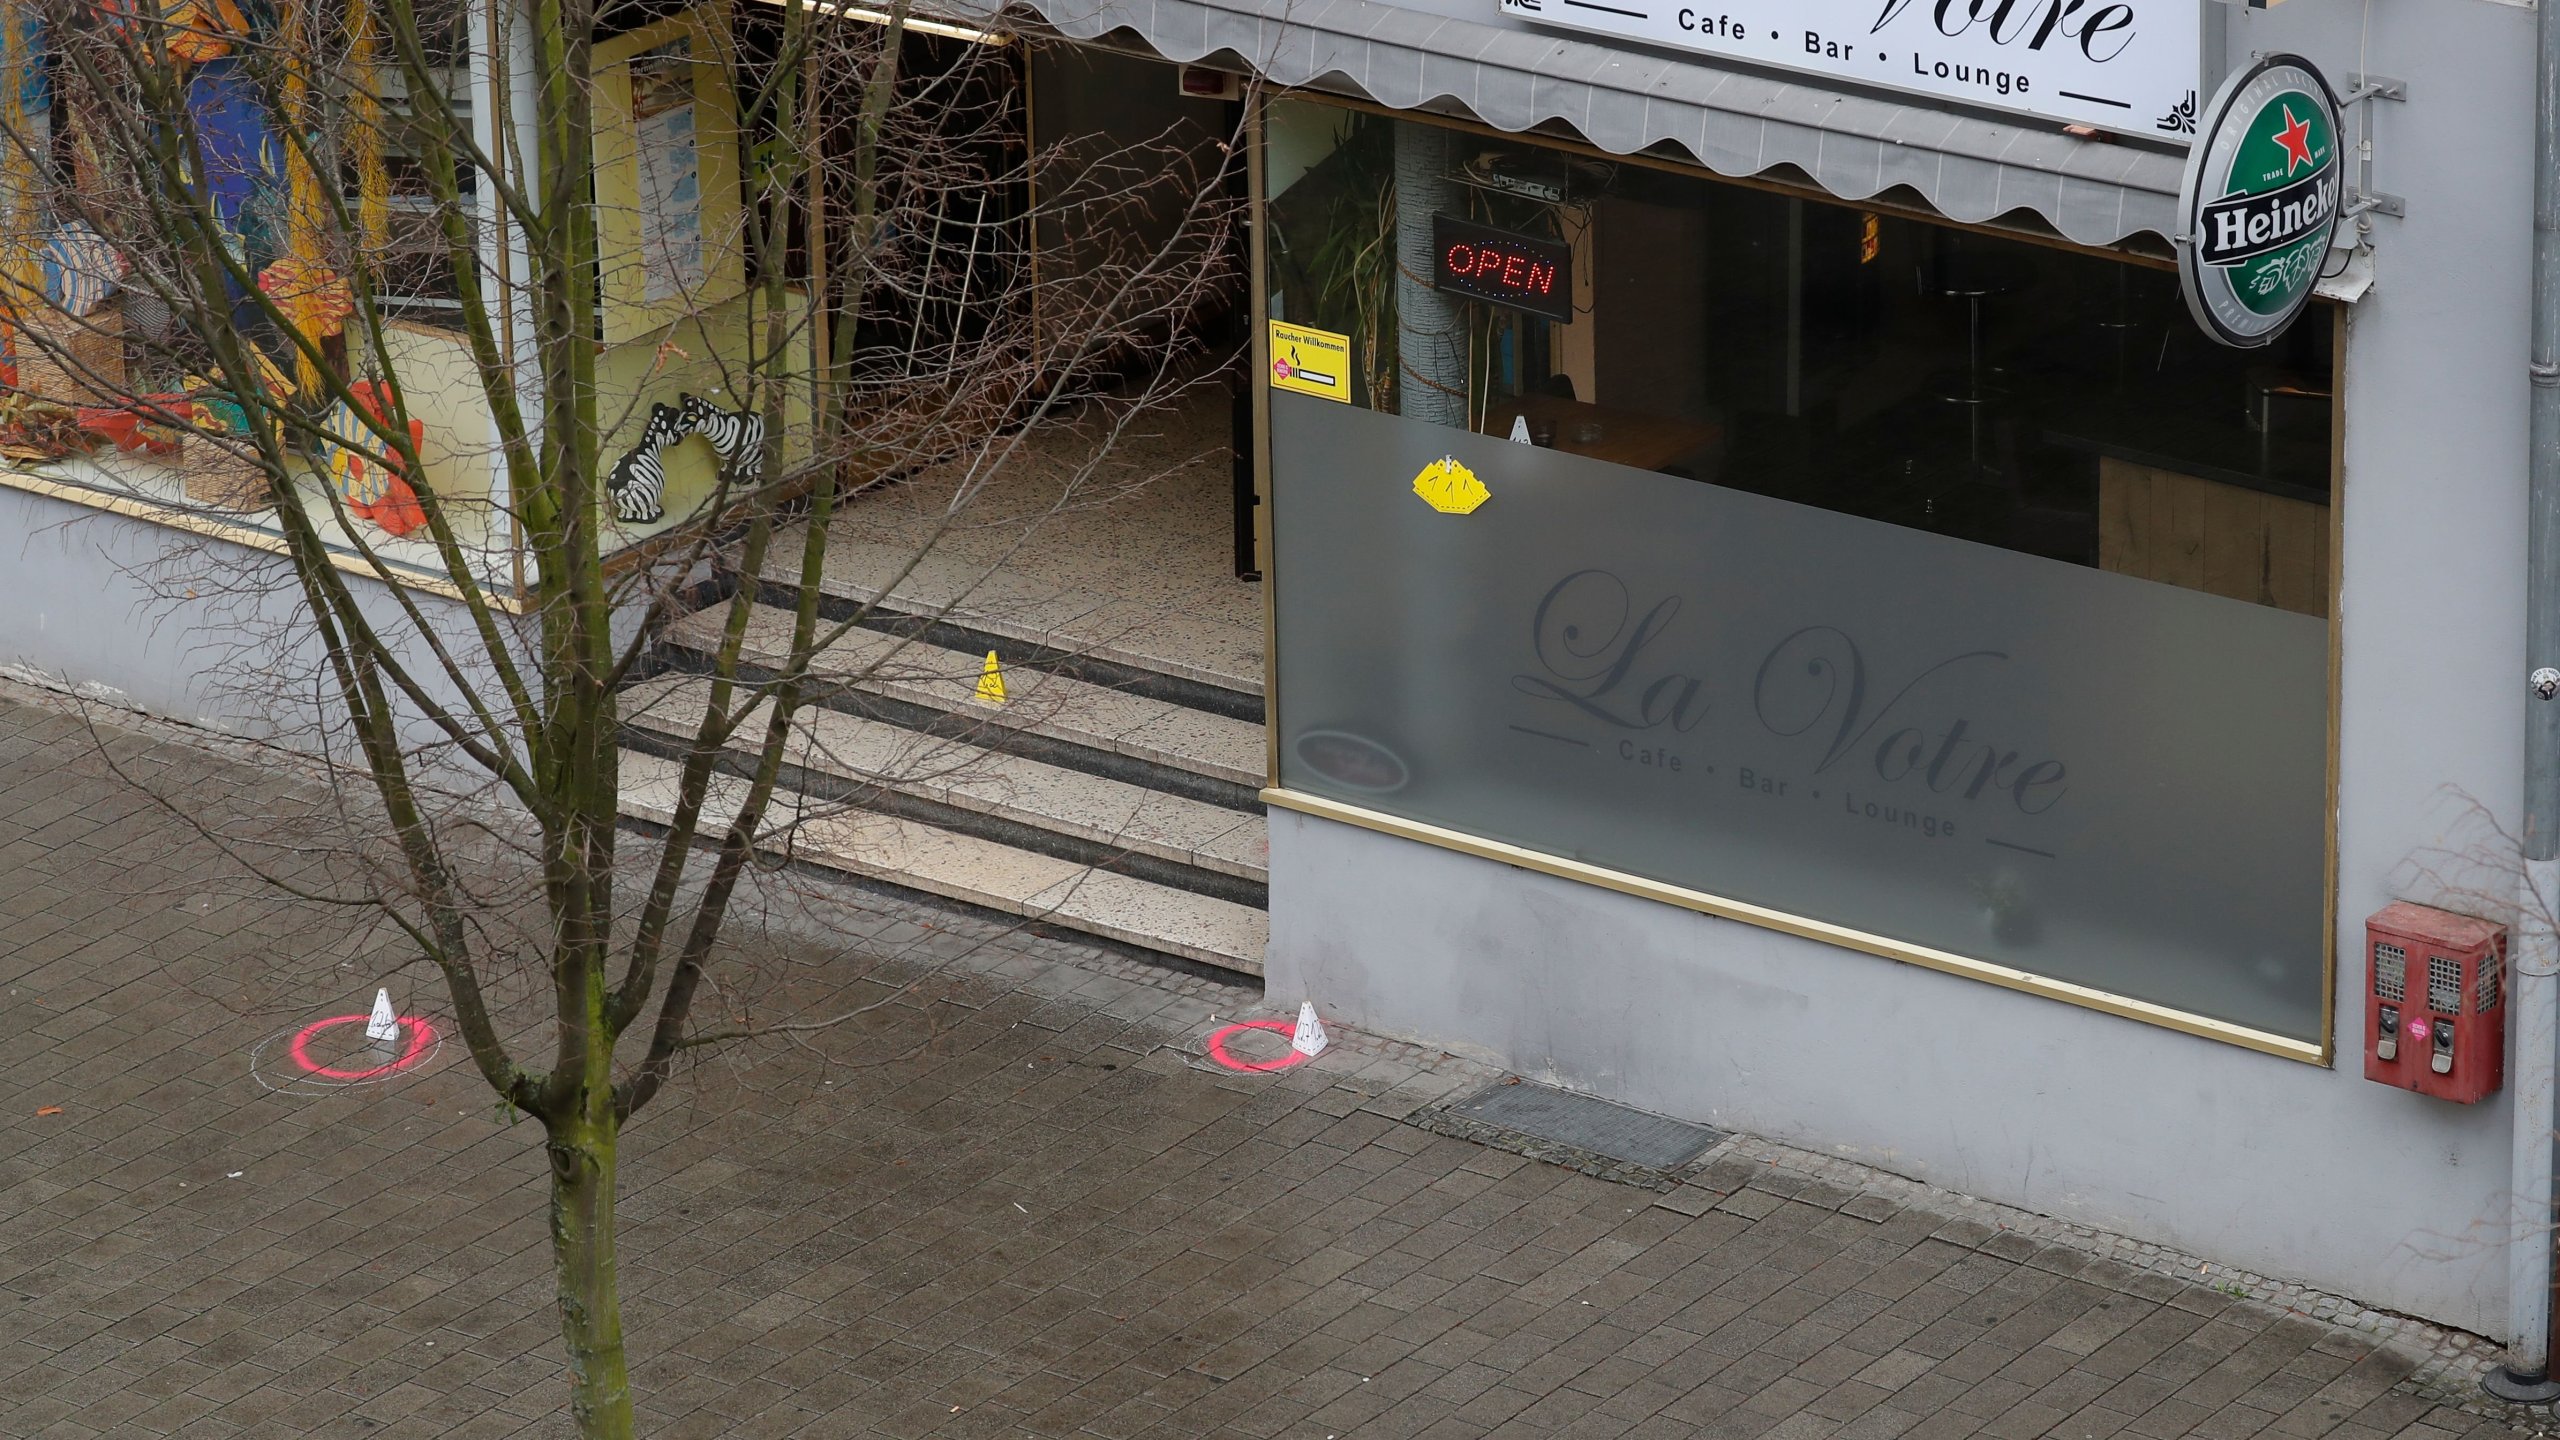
<point>2295,137</point>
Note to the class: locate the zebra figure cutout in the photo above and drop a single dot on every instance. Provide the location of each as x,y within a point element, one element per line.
<point>638,481</point>
<point>738,436</point>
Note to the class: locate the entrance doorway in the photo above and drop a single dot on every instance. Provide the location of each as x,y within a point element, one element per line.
<point>1049,702</point>
<point>1140,191</point>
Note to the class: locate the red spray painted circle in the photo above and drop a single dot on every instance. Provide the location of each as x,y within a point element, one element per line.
<point>1218,1047</point>
<point>421,1036</point>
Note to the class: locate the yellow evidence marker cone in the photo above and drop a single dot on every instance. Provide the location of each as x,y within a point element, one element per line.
<point>991,682</point>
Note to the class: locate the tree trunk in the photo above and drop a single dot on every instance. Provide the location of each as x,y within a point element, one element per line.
<point>582,1249</point>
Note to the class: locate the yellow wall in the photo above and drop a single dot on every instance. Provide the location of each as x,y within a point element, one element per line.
<point>440,382</point>
<point>621,227</point>
<point>705,355</point>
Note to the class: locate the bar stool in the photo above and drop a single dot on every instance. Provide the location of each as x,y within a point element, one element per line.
<point>1974,277</point>
<point>2284,403</point>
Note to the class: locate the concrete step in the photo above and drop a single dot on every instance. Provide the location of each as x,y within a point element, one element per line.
<point>1071,652</point>
<point>1174,740</point>
<point>916,856</point>
<point>997,796</point>
<point>1167,637</point>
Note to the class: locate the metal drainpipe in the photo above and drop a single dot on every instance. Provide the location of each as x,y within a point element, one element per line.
<point>2535,954</point>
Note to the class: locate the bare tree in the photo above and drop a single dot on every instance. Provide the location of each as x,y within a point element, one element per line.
<point>2478,869</point>
<point>223,227</point>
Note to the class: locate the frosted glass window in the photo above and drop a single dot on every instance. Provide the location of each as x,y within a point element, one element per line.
<point>1935,584</point>
<point>2084,775</point>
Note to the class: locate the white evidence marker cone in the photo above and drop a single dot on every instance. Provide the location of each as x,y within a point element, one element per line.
<point>384,1024</point>
<point>1309,1040</point>
<point>1520,430</point>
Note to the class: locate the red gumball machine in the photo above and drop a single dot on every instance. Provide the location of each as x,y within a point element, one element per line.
<point>2435,1002</point>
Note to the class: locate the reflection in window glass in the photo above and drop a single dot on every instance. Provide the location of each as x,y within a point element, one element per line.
<point>1989,389</point>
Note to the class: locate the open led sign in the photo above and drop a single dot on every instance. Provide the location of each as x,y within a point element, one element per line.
<point>1521,271</point>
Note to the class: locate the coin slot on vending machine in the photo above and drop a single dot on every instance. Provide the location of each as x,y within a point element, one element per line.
<point>2449,1040</point>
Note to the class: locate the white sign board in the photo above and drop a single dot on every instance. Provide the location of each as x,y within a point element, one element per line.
<point>2128,66</point>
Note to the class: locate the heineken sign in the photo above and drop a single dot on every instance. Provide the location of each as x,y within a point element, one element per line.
<point>2260,200</point>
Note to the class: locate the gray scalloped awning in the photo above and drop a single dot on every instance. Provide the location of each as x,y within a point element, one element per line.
<point>1735,122</point>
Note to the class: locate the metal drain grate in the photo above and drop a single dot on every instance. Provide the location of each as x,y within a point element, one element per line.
<point>1580,1122</point>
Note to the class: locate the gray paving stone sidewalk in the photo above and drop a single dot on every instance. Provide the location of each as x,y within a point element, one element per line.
<point>1011,1200</point>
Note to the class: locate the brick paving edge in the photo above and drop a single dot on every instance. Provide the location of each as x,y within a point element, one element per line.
<point>2449,1362</point>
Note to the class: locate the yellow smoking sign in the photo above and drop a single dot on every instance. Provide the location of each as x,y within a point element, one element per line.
<point>1309,361</point>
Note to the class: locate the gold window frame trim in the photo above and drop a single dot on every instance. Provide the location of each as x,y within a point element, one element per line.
<point>1945,961</point>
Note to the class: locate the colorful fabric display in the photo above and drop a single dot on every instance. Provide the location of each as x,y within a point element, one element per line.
<point>215,412</point>
<point>313,299</point>
<point>199,31</point>
<point>232,139</point>
<point>80,269</point>
<point>196,32</point>
<point>149,319</point>
<point>136,429</point>
<point>373,489</point>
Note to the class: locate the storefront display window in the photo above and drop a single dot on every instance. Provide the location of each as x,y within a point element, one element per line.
<point>1929,585</point>
<point>113,396</point>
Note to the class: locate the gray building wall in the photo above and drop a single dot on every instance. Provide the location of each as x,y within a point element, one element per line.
<point>2268,1164</point>
<point>197,629</point>
<point>2271,1164</point>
